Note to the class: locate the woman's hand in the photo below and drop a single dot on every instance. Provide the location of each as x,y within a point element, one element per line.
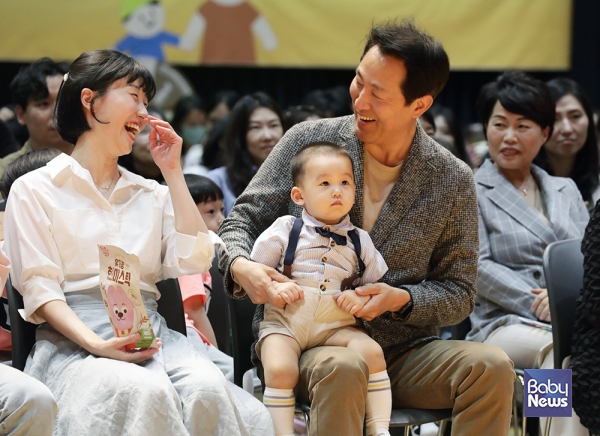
<point>115,349</point>
<point>540,306</point>
<point>165,145</point>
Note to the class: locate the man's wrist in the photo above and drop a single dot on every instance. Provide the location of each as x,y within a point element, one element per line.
<point>404,311</point>
<point>232,265</point>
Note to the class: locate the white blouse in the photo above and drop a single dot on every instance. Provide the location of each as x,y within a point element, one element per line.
<point>56,217</point>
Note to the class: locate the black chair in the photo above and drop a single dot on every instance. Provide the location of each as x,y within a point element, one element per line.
<point>22,332</point>
<point>563,268</point>
<point>170,306</point>
<point>218,310</point>
<point>241,314</point>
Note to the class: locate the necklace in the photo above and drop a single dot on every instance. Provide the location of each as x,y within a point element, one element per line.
<point>527,186</point>
<point>112,182</point>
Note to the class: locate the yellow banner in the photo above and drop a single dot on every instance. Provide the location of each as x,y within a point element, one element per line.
<point>478,34</point>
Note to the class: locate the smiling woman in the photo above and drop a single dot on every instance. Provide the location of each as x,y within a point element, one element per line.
<point>572,150</point>
<point>522,210</point>
<point>254,127</point>
<point>52,238</point>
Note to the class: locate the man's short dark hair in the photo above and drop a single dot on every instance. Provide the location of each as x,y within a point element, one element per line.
<point>298,164</point>
<point>520,94</point>
<point>426,62</point>
<point>202,189</point>
<point>96,70</point>
<point>25,164</point>
<point>30,82</point>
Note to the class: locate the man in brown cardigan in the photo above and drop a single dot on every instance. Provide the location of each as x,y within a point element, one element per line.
<point>419,205</point>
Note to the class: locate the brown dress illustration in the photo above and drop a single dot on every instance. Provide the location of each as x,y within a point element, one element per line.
<point>228,36</point>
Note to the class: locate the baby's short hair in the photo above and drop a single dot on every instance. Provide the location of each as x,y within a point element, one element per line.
<point>298,164</point>
<point>202,188</point>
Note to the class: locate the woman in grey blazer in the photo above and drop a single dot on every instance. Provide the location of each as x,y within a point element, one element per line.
<point>522,210</point>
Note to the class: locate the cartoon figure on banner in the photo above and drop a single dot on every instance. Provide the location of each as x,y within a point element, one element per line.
<point>144,21</point>
<point>228,27</point>
<point>122,313</point>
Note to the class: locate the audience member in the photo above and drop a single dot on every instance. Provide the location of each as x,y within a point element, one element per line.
<point>140,160</point>
<point>8,143</point>
<point>428,124</point>
<point>448,131</point>
<point>26,405</point>
<point>320,302</point>
<point>190,120</point>
<point>52,238</point>
<point>34,90</point>
<point>209,201</point>
<point>521,210</point>
<point>213,155</point>
<point>418,202</point>
<point>572,151</point>
<point>296,114</point>
<point>253,130</point>
<point>25,164</point>
<point>331,102</point>
<point>585,346</point>
<point>223,103</point>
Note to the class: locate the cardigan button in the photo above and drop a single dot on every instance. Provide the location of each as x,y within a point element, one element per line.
<point>537,275</point>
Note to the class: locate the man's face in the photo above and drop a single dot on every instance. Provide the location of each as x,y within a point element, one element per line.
<point>380,110</point>
<point>37,116</point>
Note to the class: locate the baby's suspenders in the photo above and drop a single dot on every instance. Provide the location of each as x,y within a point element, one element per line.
<point>293,243</point>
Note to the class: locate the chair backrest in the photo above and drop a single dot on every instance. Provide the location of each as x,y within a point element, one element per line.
<point>241,315</point>
<point>563,268</point>
<point>22,333</point>
<point>170,306</point>
<point>218,310</point>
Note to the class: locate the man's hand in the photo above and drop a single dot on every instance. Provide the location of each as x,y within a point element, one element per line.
<point>350,301</point>
<point>289,291</point>
<point>257,280</point>
<point>384,298</point>
<point>540,306</point>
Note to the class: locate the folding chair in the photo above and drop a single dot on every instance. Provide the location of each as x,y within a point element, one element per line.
<point>241,315</point>
<point>218,310</point>
<point>563,269</point>
<point>170,306</point>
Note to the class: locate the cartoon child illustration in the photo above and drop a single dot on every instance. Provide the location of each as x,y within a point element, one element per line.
<point>144,21</point>
<point>122,312</point>
<point>228,27</point>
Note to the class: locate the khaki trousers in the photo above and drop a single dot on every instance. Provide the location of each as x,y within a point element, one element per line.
<point>475,380</point>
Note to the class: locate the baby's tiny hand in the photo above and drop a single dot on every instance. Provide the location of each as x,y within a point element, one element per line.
<point>289,291</point>
<point>350,301</point>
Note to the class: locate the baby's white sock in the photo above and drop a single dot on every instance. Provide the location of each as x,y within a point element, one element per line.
<point>281,404</point>
<point>379,404</point>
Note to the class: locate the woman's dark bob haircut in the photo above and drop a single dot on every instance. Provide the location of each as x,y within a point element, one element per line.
<point>520,94</point>
<point>96,70</point>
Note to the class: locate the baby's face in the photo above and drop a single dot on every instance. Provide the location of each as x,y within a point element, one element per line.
<point>327,188</point>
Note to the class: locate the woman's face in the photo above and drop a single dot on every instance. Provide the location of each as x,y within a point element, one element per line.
<point>264,131</point>
<point>193,127</point>
<point>514,141</point>
<point>570,128</point>
<point>123,107</point>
